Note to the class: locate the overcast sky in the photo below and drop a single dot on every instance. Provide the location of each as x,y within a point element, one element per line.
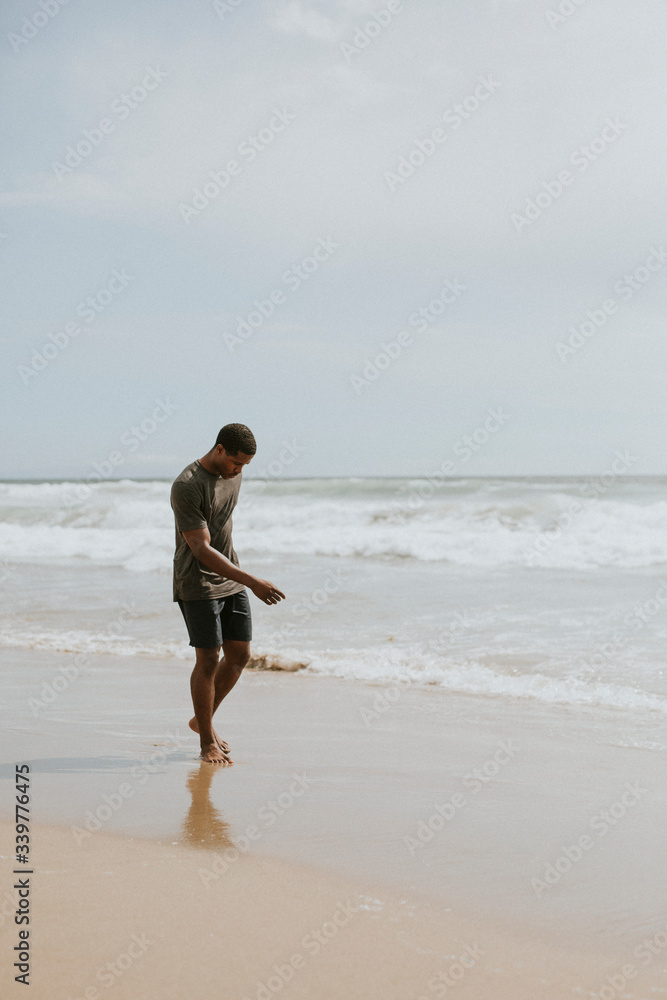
<point>406,142</point>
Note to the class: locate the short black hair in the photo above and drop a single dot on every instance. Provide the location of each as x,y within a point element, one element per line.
<point>237,437</point>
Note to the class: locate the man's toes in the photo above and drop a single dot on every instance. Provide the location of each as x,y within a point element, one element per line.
<point>213,755</point>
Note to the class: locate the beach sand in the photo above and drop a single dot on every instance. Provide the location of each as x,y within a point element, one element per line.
<point>197,882</point>
<point>155,921</point>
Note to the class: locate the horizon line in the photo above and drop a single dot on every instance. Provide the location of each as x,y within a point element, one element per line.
<point>283,479</point>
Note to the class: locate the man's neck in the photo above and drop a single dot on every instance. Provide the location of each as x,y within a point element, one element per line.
<point>206,462</point>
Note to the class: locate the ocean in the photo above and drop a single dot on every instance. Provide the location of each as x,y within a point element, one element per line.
<point>550,590</point>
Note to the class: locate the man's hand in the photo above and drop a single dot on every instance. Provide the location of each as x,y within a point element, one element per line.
<point>266,591</point>
<point>199,540</point>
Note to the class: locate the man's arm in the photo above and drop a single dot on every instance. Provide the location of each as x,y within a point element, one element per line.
<point>199,541</point>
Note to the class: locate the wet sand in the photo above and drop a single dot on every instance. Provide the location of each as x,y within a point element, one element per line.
<point>440,822</point>
<point>168,922</point>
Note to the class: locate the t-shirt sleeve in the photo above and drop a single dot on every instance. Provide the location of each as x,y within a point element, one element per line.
<point>187,507</point>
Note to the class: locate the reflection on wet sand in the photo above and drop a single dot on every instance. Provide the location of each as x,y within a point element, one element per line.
<point>203,825</point>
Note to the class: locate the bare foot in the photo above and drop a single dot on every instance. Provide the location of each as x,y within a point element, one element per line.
<point>194,726</point>
<point>212,754</point>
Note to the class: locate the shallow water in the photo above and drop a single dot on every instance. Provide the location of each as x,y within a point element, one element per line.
<point>545,590</point>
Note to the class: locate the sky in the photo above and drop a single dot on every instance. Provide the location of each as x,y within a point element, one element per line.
<point>371,231</point>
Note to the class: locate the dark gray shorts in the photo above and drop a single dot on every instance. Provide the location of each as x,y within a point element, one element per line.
<point>211,621</point>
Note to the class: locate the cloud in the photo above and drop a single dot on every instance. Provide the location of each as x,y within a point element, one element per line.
<point>83,193</point>
<point>298,18</point>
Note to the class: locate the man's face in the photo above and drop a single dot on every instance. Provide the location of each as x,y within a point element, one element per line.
<point>228,465</point>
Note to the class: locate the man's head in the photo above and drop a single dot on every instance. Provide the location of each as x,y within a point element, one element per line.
<point>234,447</point>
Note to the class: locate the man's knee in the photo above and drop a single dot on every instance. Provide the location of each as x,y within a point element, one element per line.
<point>237,655</point>
<point>243,659</point>
<point>207,661</point>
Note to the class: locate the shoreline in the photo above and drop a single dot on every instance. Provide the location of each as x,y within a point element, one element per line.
<point>447,807</point>
<point>373,782</point>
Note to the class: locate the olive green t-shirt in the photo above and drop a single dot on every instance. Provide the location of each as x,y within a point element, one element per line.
<point>203,499</point>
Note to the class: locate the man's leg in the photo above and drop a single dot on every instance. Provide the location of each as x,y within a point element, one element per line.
<point>235,656</point>
<point>202,687</point>
<point>236,627</point>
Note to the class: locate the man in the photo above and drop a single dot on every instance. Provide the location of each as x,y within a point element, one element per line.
<point>208,583</point>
